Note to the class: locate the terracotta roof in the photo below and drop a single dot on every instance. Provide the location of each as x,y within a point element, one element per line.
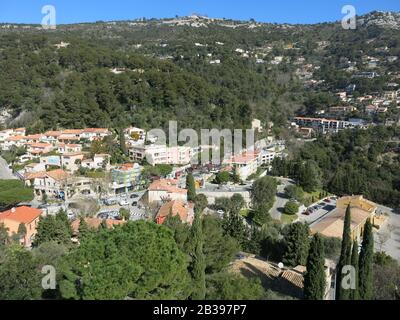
<point>34,136</point>
<point>245,157</point>
<point>53,133</point>
<point>294,277</point>
<point>34,175</point>
<point>95,130</point>
<point>40,145</point>
<point>72,131</point>
<point>94,223</point>
<point>21,214</point>
<point>15,138</point>
<point>58,174</point>
<point>166,185</point>
<point>174,208</point>
<point>332,224</point>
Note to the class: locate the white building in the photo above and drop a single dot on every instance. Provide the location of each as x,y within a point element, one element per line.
<point>161,154</point>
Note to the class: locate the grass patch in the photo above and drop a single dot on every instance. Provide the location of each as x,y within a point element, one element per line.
<point>288,218</point>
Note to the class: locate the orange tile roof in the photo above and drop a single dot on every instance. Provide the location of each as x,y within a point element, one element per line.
<point>245,157</point>
<point>174,208</point>
<point>34,136</point>
<point>15,138</point>
<point>72,131</point>
<point>21,214</point>
<point>166,185</point>
<point>53,133</point>
<point>58,174</point>
<point>40,145</point>
<point>34,175</point>
<point>94,223</point>
<point>95,130</point>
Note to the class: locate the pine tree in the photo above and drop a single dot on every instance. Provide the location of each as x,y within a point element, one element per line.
<point>365,263</point>
<point>315,279</point>
<point>4,238</point>
<point>234,227</point>
<point>345,256</point>
<point>354,263</point>
<point>198,265</point>
<point>297,244</point>
<point>191,187</point>
<point>83,229</point>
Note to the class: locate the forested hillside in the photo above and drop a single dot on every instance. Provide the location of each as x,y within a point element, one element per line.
<point>201,72</point>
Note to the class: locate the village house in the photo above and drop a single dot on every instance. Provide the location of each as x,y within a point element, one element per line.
<point>69,148</point>
<point>29,217</point>
<point>92,134</point>
<point>13,141</point>
<point>185,211</point>
<point>71,161</point>
<point>125,177</point>
<point>332,224</point>
<point>99,161</point>
<point>53,183</point>
<point>39,148</point>
<point>164,190</point>
<point>245,164</point>
<point>161,154</point>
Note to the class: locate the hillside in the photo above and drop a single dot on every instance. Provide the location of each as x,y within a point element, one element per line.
<point>200,71</point>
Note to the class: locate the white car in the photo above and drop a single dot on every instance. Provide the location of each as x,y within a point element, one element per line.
<point>221,212</point>
<point>123,202</point>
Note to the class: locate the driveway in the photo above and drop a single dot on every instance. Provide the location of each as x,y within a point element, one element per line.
<point>5,172</point>
<point>387,239</point>
<point>280,199</point>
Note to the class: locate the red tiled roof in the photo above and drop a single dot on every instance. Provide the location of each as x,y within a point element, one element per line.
<point>21,214</point>
<point>94,223</point>
<point>166,185</point>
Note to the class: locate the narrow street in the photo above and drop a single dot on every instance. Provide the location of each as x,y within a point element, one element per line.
<point>5,172</point>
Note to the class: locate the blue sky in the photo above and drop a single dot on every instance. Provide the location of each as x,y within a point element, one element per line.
<point>292,11</point>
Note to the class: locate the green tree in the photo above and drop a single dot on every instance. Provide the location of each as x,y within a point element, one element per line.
<point>234,227</point>
<point>296,237</point>
<point>354,263</point>
<point>263,197</point>
<point>201,202</point>
<point>122,142</point>
<point>228,286</point>
<point>19,275</point>
<point>222,177</point>
<point>4,238</point>
<point>345,256</point>
<point>124,214</point>
<point>294,192</point>
<point>291,208</point>
<point>139,260</point>
<point>54,228</point>
<point>309,176</point>
<point>365,263</point>
<point>191,187</point>
<point>198,264</point>
<point>83,230</point>
<point>237,203</point>
<point>315,278</point>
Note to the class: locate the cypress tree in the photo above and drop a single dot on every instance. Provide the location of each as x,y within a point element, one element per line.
<point>315,279</point>
<point>345,256</point>
<point>191,187</point>
<point>83,229</point>
<point>122,142</point>
<point>365,263</point>
<point>354,263</point>
<point>198,264</point>
<point>297,244</point>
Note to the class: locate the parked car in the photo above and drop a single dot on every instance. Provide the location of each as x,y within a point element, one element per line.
<point>134,204</point>
<point>221,212</point>
<point>306,213</point>
<point>110,202</point>
<point>123,202</point>
<point>134,196</point>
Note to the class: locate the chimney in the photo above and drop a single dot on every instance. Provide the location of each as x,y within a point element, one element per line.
<point>13,209</point>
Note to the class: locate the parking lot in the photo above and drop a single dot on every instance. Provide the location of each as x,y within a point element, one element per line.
<point>317,210</point>
<point>111,206</point>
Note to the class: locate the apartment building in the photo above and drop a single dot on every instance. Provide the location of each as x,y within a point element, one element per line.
<point>125,177</point>
<point>161,154</point>
<point>321,124</point>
